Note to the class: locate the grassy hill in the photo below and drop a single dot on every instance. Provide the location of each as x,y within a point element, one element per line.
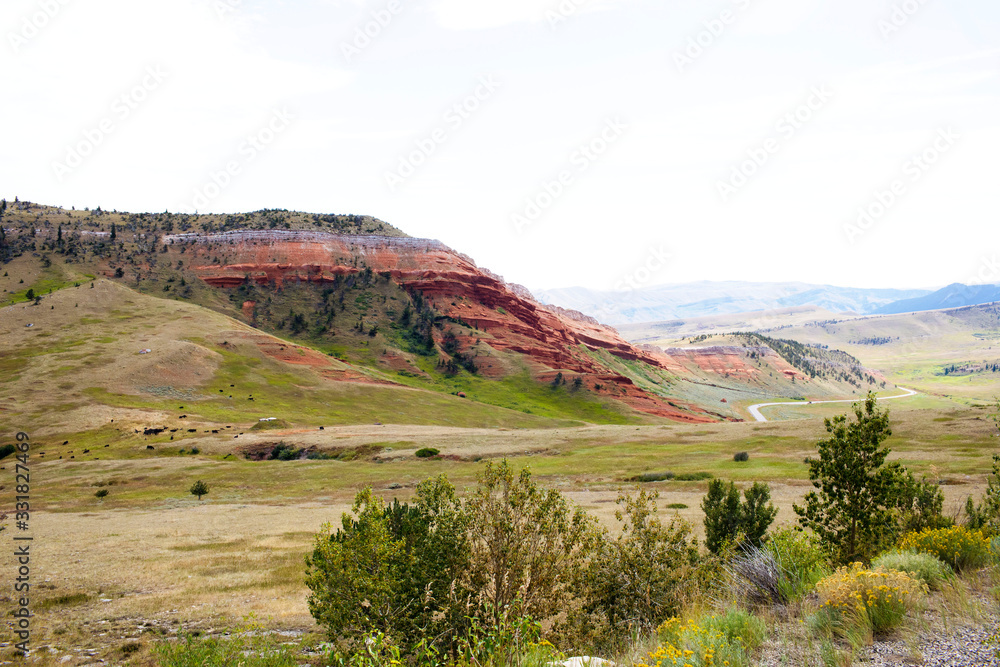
<point>79,370</point>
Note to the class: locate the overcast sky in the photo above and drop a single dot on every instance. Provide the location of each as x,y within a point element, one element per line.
<point>580,142</point>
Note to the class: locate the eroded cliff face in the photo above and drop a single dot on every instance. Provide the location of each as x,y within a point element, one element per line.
<point>551,339</point>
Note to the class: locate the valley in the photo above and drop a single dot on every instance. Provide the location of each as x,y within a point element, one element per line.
<point>288,361</point>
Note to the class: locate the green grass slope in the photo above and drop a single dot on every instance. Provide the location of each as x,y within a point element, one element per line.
<point>79,365</point>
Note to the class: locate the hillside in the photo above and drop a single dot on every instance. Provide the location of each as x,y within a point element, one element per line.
<point>952,296</point>
<point>678,330</point>
<point>707,298</point>
<point>379,307</point>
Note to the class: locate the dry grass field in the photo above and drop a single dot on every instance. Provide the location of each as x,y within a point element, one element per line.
<point>150,559</point>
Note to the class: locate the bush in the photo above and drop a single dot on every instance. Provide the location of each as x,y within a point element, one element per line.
<point>444,568</point>
<point>985,516</point>
<point>739,626</point>
<point>923,566</point>
<point>957,546</point>
<point>249,646</point>
<point>101,494</point>
<point>728,639</point>
<point>653,477</point>
<point>391,568</point>
<point>920,504</point>
<point>527,544</point>
<point>802,560</point>
<point>637,580</point>
<point>693,476</point>
<point>740,457</point>
<point>427,452</point>
<point>6,451</point>
<point>877,599</point>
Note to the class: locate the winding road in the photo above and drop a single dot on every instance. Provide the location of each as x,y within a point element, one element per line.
<point>755,409</point>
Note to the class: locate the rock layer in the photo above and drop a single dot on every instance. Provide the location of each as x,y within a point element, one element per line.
<point>550,338</point>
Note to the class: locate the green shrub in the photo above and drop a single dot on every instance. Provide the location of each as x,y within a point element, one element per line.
<point>926,567</point>
<point>6,451</point>
<point>693,476</point>
<point>802,560</point>
<point>920,505</point>
<point>652,477</point>
<point>957,546</point>
<point>740,626</point>
<point>249,646</point>
<point>443,568</point>
<point>284,452</point>
<point>427,452</point>
<point>527,544</point>
<point>677,506</point>
<point>740,457</point>
<point>390,568</point>
<point>640,578</point>
<point>985,516</point>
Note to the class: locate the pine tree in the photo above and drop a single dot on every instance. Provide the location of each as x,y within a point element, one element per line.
<point>199,489</point>
<point>851,511</point>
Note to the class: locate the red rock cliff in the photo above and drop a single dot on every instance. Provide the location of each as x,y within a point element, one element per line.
<point>551,338</point>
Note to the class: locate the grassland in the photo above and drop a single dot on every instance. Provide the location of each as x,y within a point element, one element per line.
<point>149,558</point>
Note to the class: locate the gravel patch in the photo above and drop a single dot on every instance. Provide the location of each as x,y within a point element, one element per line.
<point>965,647</point>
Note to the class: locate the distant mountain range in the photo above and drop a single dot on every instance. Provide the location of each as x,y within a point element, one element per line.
<point>955,295</point>
<point>700,299</point>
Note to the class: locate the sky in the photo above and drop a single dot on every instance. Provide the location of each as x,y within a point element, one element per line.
<point>557,142</point>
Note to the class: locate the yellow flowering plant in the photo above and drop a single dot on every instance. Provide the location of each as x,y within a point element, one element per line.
<point>722,640</point>
<point>879,598</point>
<point>958,546</point>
